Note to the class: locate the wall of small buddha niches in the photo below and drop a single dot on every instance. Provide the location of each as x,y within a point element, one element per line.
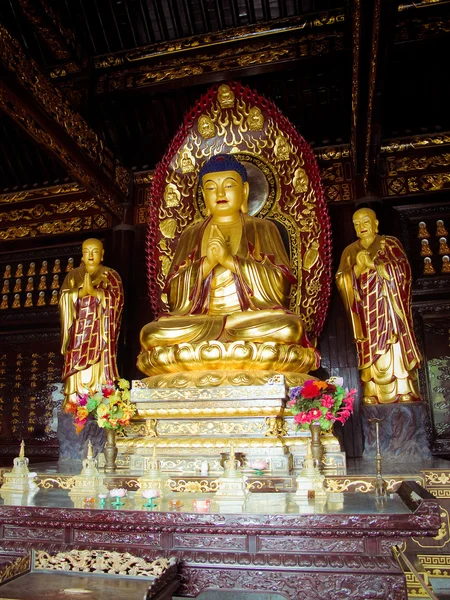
<point>30,348</point>
<point>424,229</point>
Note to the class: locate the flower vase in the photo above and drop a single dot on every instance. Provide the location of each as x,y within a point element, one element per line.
<point>316,443</point>
<point>110,451</point>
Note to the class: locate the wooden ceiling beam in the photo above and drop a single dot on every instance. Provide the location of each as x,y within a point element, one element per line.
<point>210,56</point>
<point>59,40</point>
<point>29,98</point>
<point>373,27</point>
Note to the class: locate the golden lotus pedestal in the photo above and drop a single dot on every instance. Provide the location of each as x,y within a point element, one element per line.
<point>193,429</point>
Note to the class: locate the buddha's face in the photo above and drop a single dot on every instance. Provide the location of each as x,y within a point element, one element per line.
<point>92,253</point>
<point>224,193</point>
<point>365,223</point>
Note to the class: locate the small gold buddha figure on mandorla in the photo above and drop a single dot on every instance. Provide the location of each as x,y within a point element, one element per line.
<point>229,280</point>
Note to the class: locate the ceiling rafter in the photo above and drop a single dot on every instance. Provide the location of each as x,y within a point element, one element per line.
<point>41,110</point>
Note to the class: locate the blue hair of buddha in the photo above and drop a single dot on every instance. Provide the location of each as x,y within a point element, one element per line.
<point>223,162</point>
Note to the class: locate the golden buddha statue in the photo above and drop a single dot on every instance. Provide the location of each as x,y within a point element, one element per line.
<point>374,279</point>
<point>227,288</point>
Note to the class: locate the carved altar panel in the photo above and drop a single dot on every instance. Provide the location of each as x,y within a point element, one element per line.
<point>434,323</point>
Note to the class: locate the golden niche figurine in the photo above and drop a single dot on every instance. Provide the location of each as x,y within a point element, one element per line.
<point>69,266</point>
<point>31,269</point>
<point>445,264</point>
<point>229,281</point>
<point>19,271</point>
<point>57,266</point>
<point>374,279</point>
<point>41,299</point>
<point>55,282</point>
<point>5,288</point>
<point>30,285</point>
<point>4,303</point>
<point>7,273</point>
<point>16,302</point>
<point>425,249</point>
<point>42,283</point>
<point>91,302</point>
<point>29,300</point>
<point>440,228</point>
<point>443,246</point>
<point>423,231</point>
<point>44,268</point>
<point>428,268</point>
<point>18,286</point>
<point>54,298</point>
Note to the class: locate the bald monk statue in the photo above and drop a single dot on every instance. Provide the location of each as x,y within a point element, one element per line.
<point>230,276</point>
<point>374,279</point>
<point>90,304</point>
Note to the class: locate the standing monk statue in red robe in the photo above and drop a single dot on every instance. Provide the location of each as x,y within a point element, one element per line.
<point>90,304</point>
<point>374,279</point>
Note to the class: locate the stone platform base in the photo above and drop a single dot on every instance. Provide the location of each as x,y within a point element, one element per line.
<point>195,426</point>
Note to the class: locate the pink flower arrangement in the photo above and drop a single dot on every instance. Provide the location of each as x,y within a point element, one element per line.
<point>323,401</point>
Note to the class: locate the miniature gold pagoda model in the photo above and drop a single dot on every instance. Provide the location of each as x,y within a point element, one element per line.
<point>310,483</point>
<point>20,480</point>
<point>89,482</point>
<point>241,292</point>
<point>232,489</point>
<point>152,478</point>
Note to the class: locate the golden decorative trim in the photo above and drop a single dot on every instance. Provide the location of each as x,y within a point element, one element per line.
<point>253,53</point>
<point>44,192</point>
<point>145,177</point>
<point>340,484</point>
<point>419,141</point>
<point>436,565</point>
<point>326,153</point>
<point>400,186</point>
<point>227,427</point>
<point>211,40</point>
<point>102,562</point>
<point>91,222</point>
<point>141,392</point>
<point>195,442</point>
<point>39,211</point>
<point>416,163</point>
<point>19,566</point>
<point>436,477</point>
<point>62,482</point>
<point>203,486</point>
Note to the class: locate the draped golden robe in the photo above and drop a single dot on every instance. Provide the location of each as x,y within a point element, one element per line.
<point>378,304</point>
<point>249,304</point>
<point>90,327</point>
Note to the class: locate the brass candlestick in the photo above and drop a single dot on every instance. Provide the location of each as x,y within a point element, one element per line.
<point>380,484</point>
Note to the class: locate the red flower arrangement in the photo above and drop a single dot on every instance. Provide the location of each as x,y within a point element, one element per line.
<point>323,401</point>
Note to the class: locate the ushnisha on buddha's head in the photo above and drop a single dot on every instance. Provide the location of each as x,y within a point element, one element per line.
<point>92,251</point>
<point>366,224</point>
<point>224,187</point>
